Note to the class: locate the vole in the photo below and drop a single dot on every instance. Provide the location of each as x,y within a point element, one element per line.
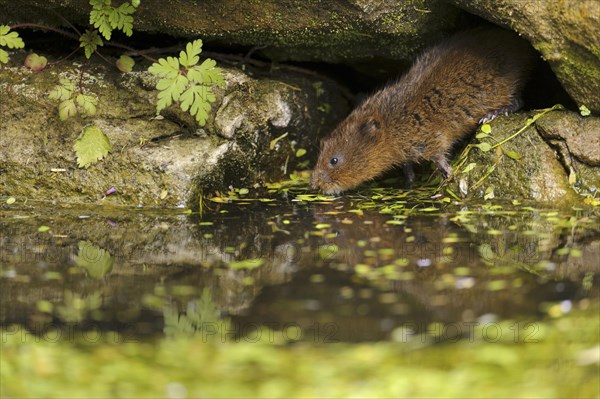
<point>467,79</point>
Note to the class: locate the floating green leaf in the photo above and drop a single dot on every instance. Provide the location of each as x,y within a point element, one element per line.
<point>91,146</point>
<point>90,41</point>
<point>246,264</point>
<point>300,152</point>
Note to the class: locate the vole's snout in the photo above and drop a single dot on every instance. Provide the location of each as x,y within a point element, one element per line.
<point>319,179</point>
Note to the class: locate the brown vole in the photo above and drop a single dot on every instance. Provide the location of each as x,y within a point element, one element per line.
<point>467,79</point>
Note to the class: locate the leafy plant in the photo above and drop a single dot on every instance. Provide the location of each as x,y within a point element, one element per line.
<point>90,41</point>
<point>106,18</point>
<point>8,39</point>
<point>91,146</point>
<point>71,103</point>
<point>182,80</point>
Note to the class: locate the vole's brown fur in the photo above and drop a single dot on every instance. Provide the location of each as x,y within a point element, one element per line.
<point>471,77</point>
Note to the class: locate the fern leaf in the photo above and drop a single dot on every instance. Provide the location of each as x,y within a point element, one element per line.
<point>90,41</point>
<point>170,90</point>
<point>3,56</point>
<point>196,100</point>
<point>206,73</point>
<point>165,68</point>
<point>87,103</point>
<point>125,20</point>
<point>63,91</point>
<point>189,57</point>
<point>106,18</point>
<point>10,39</point>
<point>66,109</point>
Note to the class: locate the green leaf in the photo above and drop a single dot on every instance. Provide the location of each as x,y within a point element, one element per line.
<point>67,109</point>
<point>584,111</point>
<point>485,147</point>
<point>3,56</point>
<point>300,152</point>
<point>246,264</point>
<point>489,193</point>
<point>90,41</point>
<point>87,103</point>
<point>511,154</point>
<point>206,73</point>
<point>63,91</point>
<point>189,57</point>
<point>35,62</point>
<point>106,18</point>
<point>125,64</point>
<point>10,39</point>
<point>486,128</point>
<point>170,90</point>
<point>469,167</point>
<point>196,100</point>
<point>91,146</point>
<point>165,68</point>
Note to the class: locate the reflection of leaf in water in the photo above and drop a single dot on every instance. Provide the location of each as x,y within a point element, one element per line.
<point>96,261</point>
<point>201,317</point>
<point>75,308</point>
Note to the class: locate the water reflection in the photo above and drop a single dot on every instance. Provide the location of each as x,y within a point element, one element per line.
<point>318,272</point>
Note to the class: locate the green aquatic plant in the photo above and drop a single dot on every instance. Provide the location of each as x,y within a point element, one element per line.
<point>185,81</point>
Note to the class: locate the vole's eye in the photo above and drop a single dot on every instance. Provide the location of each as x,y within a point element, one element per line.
<point>333,161</point>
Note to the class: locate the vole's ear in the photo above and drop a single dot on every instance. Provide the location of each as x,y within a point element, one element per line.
<point>372,125</point>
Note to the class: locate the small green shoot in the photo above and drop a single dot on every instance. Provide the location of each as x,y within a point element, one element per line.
<point>8,39</point>
<point>91,146</point>
<point>106,18</point>
<point>183,80</point>
<point>584,111</point>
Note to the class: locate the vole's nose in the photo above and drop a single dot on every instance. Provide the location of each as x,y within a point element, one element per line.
<point>317,179</point>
